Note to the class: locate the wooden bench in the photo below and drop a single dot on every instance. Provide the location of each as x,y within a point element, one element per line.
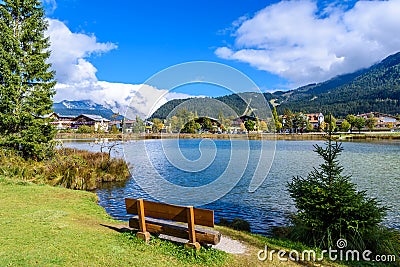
<point>160,218</point>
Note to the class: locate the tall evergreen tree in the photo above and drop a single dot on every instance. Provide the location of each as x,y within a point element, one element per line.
<point>278,124</point>
<point>26,83</point>
<point>288,117</point>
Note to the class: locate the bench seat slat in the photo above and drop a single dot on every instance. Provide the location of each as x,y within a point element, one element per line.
<point>170,212</point>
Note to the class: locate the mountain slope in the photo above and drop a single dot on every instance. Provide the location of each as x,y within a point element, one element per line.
<point>231,104</point>
<point>75,108</point>
<point>374,89</point>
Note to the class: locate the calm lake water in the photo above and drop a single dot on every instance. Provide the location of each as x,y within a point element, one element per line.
<point>374,167</point>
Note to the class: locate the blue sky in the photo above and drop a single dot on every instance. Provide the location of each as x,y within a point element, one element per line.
<point>153,35</point>
<point>108,49</point>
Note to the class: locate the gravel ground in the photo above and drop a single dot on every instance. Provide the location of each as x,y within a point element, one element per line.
<point>226,244</point>
<point>230,246</point>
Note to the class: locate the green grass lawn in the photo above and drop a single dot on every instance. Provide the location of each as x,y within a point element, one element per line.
<point>51,226</point>
<point>41,225</point>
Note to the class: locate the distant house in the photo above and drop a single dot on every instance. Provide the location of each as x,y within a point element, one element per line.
<point>248,114</point>
<point>382,120</point>
<point>215,124</point>
<point>61,122</point>
<point>125,125</point>
<point>116,123</point>
<point>128,126</point>
<point>315,119</point>
<point>148,126</point>
<point>239,120</point>
<point>98,122</point>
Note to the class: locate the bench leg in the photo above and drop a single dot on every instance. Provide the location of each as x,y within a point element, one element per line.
<point>195,245</point>
<point>192,244</point>
<point>142,234</point>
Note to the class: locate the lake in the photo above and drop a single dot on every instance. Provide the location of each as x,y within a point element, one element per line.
<point>195,169</point>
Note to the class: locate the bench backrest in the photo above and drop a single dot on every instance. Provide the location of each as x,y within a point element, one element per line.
<point>170,212</point>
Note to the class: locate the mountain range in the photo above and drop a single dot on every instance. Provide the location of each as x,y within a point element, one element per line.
<point>75,108</point>
<point>376,88</point>
<point>373,89</point>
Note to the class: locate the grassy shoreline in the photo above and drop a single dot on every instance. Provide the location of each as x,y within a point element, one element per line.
<point>43,225</point>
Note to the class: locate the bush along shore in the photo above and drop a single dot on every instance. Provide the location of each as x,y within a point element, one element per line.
<point>69,168</point>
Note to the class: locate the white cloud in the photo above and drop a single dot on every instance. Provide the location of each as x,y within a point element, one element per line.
<point>295,40</point>
<point>77,80</point>
<point>70,52</point>
<point>129,99</point>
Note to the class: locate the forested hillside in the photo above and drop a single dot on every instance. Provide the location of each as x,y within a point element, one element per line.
<point>374,89</point>
<point>235,103</point>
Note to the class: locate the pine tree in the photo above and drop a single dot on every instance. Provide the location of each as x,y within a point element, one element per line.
<point>329,206</point>
<point>26,83</point>
<point>278,124</point>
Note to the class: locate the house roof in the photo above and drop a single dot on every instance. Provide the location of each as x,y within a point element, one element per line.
<point>66,116</point>
<point>58,116</point>
<point>246,117</point>
<point>115,122</point>
<point>377,115</point>
<point>46,115</point>
<point>314,114</point>
<point>204,117</point>
<point>93,117</point>
<point>313,117</point>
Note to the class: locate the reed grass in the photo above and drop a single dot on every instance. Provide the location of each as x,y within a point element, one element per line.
<point>69,168</point>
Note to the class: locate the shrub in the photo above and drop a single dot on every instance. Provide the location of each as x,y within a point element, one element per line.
<point>114,130</point>
<point>85,129</point>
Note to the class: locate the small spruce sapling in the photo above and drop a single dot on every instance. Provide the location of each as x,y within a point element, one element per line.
<point>329,205</point>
